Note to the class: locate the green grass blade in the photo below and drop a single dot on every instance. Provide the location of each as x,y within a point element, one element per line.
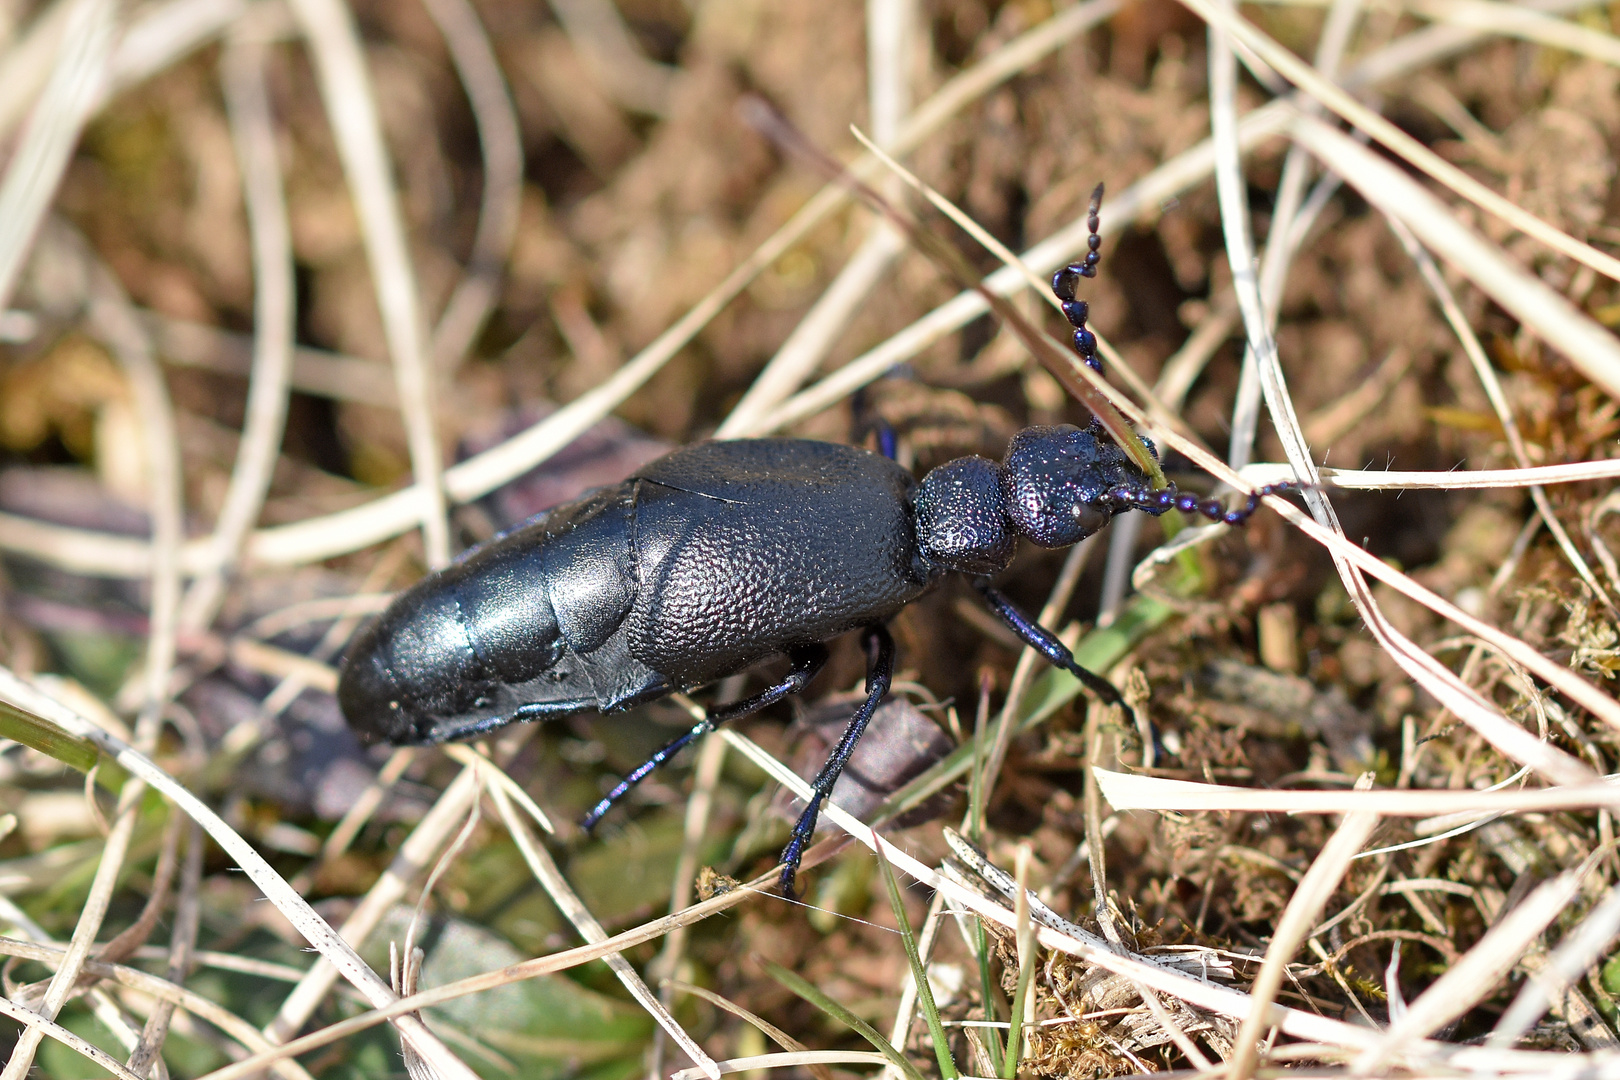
<point>919,973</point>
<point>987,989</point>
<point>814,996</point>
<point>52,740</point>
<point>1026,977</point>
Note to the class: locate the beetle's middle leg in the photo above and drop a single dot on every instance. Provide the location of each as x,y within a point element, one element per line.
<point>879,673</point>
<point>807,661</point>
<point>1046,643</point>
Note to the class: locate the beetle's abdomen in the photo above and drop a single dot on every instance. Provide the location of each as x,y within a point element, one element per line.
<point>510,625</point>
<point>748,546</point>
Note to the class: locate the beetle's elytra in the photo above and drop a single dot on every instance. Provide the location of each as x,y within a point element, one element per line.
<point>723,553</point>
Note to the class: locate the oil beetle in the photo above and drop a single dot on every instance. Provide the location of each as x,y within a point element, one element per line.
<point>723,553</point>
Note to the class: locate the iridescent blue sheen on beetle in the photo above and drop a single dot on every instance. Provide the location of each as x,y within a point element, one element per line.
<point>723,553</point>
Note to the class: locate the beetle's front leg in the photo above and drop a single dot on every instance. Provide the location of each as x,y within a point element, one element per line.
<point>879,673</point>
<point>1046,643</point>
<point>807,660</point>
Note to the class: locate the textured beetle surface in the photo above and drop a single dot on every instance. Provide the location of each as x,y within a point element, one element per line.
<point>720,554</point>
<point>704,562</point>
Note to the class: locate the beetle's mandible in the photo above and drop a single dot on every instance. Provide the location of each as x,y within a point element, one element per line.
<point>721,554</point>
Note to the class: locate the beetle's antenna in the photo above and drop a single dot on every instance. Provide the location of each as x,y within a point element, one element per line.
<point>765,119</point>
<point>1065,280</point>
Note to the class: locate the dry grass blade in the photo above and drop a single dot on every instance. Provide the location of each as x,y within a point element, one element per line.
<point>1522,22</point>
<point>1041,288</point>
<point>495,775</point>
<point>1197,992</point>
<point>248,104</point>
<point>1085,385</point>
<point>416,854</point>
<point>1162,185</point>
<point>66,976</point>
<point>334,43</point>
<point>166,992</point>
<point>1298,918</point>
<point>811,340</point>
<point>1437,678</point>
<point>1593,350</point>
<point>601,37</point>
<point>52,131</point>
<point>803,988</point>
<point>1200,993</point>
<point>699,806</point>
<point>1498,398</point>
<point>315,929</point>
<point>529,969</point>
<point>808,1059</point>
<point>36,1027</point>
<point>1335,98</point>
<point>1580,949</point>
<point>1455,480</point>
<point>770,1030</point>
<point>1126,791</point>
<point>111,318</point>
<point>562,894</point>
<point>501,141</point>
<point>1474,976</point>
<point>890,35</point>
<point>182,944</point>
<point>1446,686</point>
<point>1159,188</point>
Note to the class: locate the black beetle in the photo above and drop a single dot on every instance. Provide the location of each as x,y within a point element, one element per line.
<point>721,554</point>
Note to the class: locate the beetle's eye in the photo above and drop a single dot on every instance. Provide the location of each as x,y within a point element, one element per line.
<point>1089,518</point>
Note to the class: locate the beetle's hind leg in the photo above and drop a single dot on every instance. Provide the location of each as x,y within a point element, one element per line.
<point>1045,642</point>
<point>807,660</point>
<point>869,421</point>
<point>879,674</point>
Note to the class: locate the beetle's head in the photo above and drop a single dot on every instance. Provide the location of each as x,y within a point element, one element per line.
<point>1056,480</point>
